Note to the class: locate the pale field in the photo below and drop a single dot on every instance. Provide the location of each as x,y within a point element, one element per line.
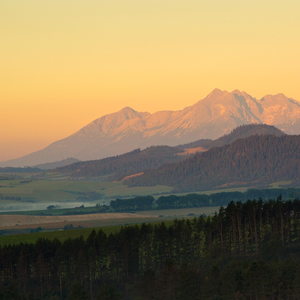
<point>55,191</point>
<point>97,223</point>
<point>279,184</point>
<point>100,219</point>
<point>7,221</point>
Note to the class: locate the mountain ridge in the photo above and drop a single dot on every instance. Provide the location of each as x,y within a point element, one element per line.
<point>123,131</point>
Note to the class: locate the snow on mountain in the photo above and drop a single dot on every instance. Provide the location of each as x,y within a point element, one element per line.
<point>215,115</point>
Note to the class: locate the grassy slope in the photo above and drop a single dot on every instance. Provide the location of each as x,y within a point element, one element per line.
<point>64,190</point>
<point>48,191</point>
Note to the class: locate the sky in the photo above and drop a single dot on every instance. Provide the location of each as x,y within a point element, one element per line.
<point>64,63</point>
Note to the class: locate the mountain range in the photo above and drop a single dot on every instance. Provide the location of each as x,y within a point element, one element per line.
<point>214,116</point>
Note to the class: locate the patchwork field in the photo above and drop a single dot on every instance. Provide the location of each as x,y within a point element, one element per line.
<point>107,222</point>
<point>65,234</point>
<point>27,193</point>
<point>55,191</point>
<point>65,190</point>
<point>23,220</point>
<point>100,219</point>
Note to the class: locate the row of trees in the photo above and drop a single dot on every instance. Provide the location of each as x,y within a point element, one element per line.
<point>205,247</point>
<point>198,200</point>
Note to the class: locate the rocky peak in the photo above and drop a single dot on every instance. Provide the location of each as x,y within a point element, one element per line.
<point>215,115</point>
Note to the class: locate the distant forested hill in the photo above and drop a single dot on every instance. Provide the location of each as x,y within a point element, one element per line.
<point>57,164</point>
<point>258,159</point>
<point>137,161</point>
<point>237,133</point>
<point>116,167</point>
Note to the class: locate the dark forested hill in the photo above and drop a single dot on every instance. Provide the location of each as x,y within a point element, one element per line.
<point>57,164</point>
<point>116,167</point>
<point>137,161</point>
<point>252,161</point>
<point>237,133</point>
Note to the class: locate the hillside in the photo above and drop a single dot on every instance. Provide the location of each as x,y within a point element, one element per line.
<point>256,160</point>
<point>123,131</point>
<point>237,133</point>
<point>117,167</point>
<point>137,161</point>
<point>57,164</point>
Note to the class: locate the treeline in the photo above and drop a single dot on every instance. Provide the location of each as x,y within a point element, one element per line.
<point>12,170</point>
<point>198,200</point>
<point>5,177</point>
<point>256,160</point>
<point>137,203</point>
<point>57,164</point>
<point>117,167</point>
<point>245,251</point>
<point>86,196</point>
<point>10,198</point>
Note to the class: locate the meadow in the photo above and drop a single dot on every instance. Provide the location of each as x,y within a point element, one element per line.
<point>53,187</point>
<point>61,235</point>
<point>33,192</point>
<point>107,224</point>
<point>66,234</point>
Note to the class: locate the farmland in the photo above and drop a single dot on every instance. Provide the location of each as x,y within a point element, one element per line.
<point>38,194</point>
<point>64,190</point>
<point>108,222</point>
<point>26,192</point>
<point>19,220</point>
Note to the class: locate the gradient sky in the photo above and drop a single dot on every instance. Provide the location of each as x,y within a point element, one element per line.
<point>64,63</point>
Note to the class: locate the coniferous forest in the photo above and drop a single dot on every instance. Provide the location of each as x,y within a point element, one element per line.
<point>245,251</point>
<point>254,161</point>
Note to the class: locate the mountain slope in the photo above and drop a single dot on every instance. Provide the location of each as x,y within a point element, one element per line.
<point>137,161</point>
<point>215,115</point>
<point>117,167</point>
<point>57,164</point>
<point>240,132</point>
<point>255,160</point>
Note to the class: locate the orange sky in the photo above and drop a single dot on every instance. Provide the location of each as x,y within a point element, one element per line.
<point>65,63</point>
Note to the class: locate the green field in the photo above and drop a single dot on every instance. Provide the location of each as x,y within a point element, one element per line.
<point>110,225</point>
<point>68,191</point>
<point>65,190</point>
<point>61,235</point>
<point>38,194</point>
